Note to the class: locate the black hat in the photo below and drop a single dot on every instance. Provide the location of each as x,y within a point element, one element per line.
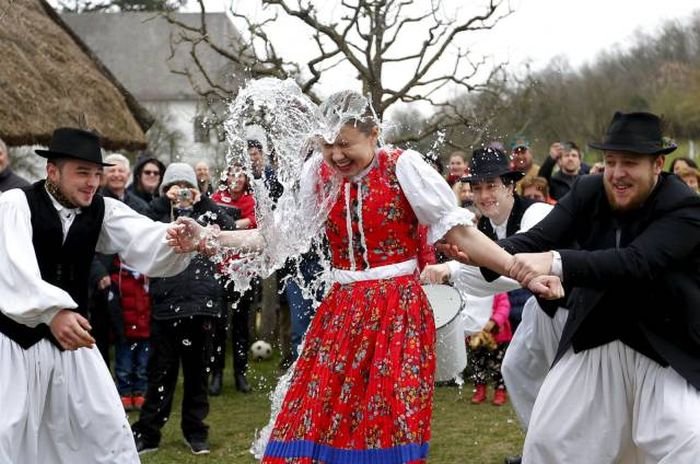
<point>489,163</point>
<point>67,142</point>
<point>635,133</point>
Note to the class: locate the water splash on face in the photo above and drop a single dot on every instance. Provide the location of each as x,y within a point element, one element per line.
<point>291,129</point>
<point>290,221</point>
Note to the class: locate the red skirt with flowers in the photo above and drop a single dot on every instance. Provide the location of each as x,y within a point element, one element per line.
<point>362,387</point>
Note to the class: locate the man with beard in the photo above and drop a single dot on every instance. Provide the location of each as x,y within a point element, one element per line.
<point>568,157</point>
<point>522,159</point>
<point>625,383</point>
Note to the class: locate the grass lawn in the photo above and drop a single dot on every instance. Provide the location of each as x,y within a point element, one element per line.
<point>462,433</point>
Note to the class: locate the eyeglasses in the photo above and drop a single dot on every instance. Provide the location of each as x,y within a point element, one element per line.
<point>151,173</point>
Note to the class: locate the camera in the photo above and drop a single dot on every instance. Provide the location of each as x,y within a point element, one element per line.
<point>184,194</point>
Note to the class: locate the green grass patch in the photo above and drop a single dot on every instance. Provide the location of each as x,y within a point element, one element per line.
<point>462,433</point>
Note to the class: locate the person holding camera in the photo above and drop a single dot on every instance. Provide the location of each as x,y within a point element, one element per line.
<point>567,156</point>
<point>183,311</point>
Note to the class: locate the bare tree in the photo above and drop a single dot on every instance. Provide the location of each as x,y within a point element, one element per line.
<point>375,38</point>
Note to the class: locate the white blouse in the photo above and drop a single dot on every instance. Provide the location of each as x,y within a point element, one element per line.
<point>29,300</point>
<point>430,196</point>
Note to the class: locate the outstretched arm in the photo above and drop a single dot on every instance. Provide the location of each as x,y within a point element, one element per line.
<point>482,251</point>
<point>186,235</point>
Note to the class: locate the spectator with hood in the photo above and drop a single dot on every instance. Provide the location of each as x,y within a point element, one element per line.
<point>148,175</point>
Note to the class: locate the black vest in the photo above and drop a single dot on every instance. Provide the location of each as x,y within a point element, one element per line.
<point>63,264</point>
<point>520,204</point>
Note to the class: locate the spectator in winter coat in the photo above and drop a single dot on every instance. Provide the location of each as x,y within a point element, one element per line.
<point>568,157</point>
<point>183,309</point>
<point>148,176</point>
<point>236,198</point>
<point>101,317</point>
<point>8,179</point>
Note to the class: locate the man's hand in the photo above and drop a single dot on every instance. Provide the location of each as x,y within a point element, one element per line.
<point>185,235</point>
<point>453,252</point>
<point>104,282</point>
<point>556,150</point>
<point>71,330</point>
<point>435,274</point>
<point>527,266</point>
<point>547,287</point>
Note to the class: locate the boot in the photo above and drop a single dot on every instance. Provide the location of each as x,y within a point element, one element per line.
<point>499,397</point>
<point>479,394</point>
<point>241,383</point>
<point>215,383</point>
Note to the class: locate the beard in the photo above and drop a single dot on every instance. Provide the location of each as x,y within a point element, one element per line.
<point>643,189</point>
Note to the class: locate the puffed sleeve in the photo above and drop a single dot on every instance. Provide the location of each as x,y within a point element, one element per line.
<point>24,296</point>
<point>139,241</point>
<point>430,197</point>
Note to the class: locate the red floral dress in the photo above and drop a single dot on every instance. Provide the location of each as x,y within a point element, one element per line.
<point>362,388</point>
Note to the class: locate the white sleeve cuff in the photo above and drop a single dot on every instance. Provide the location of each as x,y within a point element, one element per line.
<point>556,265</point>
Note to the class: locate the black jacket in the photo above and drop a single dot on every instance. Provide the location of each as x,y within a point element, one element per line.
<point>635,278</point>
<point>10,180</point>
<point>520,204</point>
<point>196,291</point>
<point>559,183</point>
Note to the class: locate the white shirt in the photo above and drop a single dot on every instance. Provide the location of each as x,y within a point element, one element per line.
<point>29,300</point>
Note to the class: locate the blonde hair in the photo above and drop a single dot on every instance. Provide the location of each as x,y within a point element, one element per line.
<point>540,184</point>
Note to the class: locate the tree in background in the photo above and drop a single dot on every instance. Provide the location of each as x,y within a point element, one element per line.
<point>658,72</point>
<point>364,35</point>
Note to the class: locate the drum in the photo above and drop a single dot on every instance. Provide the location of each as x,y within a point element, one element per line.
<point>451,348</point>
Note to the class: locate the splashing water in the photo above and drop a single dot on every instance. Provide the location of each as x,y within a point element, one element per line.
<point>288,120</point>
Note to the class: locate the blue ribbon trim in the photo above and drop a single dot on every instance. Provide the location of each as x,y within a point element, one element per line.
<point>329,455</point>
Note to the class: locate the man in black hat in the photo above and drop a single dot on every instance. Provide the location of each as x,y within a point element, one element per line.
<point>626,379</point>
<point>502,209</point>
<point>57,397</point>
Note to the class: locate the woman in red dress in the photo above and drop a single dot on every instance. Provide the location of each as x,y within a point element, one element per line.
<point>362,388</point>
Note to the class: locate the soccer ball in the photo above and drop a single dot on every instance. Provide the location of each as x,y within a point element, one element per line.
<point>261,350</point>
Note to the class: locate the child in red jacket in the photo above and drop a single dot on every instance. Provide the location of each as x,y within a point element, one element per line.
<point>486,351</point>
<point>130,304</point>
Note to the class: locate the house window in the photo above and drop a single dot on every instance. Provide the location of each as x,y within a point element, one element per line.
<point>201,130</point>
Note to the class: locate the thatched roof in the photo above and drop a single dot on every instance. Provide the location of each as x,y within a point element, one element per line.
<point>49,78</point>
<point>141,48</point>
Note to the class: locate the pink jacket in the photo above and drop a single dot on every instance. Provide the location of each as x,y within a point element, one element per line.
<point>500,315</point>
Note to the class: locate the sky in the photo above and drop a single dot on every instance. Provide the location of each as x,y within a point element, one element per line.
<point>537,30</point>
<point>580,29</point>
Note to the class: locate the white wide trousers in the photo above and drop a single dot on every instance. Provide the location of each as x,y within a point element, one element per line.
<point>530,355</point>
<point>611,404</point>
<point>60,408</point>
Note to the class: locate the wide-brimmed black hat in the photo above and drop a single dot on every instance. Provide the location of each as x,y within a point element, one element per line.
<point>489,163</point>
<point>67,142</point>
<point>635,133</point>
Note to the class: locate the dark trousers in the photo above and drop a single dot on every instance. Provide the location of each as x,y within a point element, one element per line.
<point>173,341</point>
<point>239,307</point>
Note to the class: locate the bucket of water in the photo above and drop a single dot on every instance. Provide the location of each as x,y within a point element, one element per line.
<point>451,348</point>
